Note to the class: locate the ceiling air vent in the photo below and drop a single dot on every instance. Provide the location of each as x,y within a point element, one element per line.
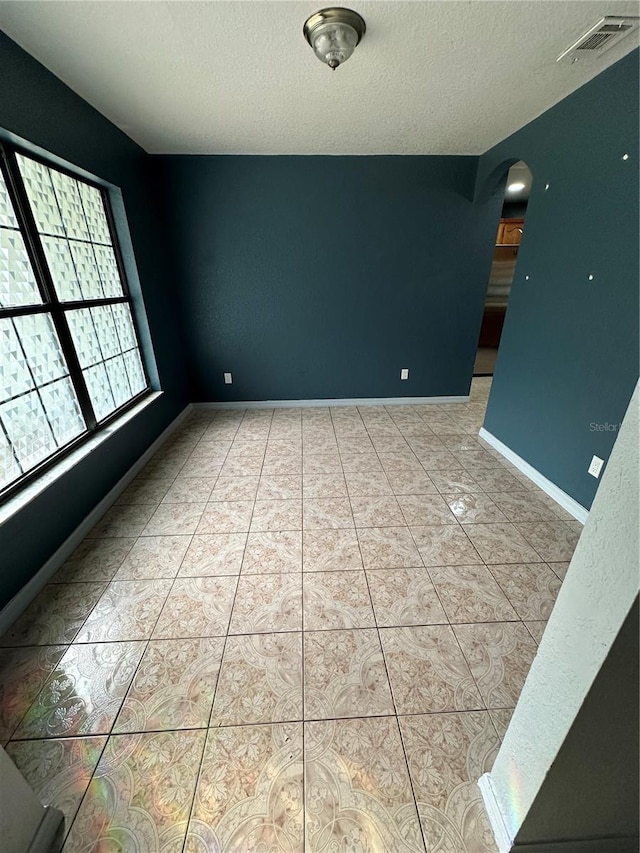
<point>603,35</point>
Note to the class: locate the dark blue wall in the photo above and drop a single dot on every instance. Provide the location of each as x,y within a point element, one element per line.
<point>321,277</point>
<point>569,351</point>
<point>37,107</point>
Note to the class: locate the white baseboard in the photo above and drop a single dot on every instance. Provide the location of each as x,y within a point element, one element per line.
<point>562,498</point>
<point>346,401</point>
<point>28,592</point>
<point>494,814</point>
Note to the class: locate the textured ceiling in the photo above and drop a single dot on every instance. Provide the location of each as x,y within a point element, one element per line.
<point>237,77</point>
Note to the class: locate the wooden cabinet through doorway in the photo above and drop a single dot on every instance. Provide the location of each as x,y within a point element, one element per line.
<point>510,232</point>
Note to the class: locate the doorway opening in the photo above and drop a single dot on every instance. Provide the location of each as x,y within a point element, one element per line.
<point>505,256</point>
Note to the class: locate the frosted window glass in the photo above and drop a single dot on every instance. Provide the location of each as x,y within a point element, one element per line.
<point>37,182</point>
<point>70,204</point>
<point>17,281</point>
<point>99,390</point>
<point>9,468</point>
<point>7,216</point>
<point>61,405</point>
<point>25,423</point>
<point>62,268</point>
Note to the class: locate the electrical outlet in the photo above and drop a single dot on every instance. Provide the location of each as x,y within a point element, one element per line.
<point>404,373</point>
<point>596,466</point>
<point>228,379</point>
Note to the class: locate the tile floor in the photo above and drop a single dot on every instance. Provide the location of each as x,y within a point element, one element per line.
<point>296,630</point>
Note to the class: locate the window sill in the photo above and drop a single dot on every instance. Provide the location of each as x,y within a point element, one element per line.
<point>18,502</point>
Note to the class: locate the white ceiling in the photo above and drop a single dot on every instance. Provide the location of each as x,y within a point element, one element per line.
<point>449,77</point>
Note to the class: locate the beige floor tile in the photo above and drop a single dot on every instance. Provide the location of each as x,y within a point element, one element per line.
<point>404,597</point>
<point>226,517</point>
<point>499,655</point>
<point>322,463</point>
<point>358,795</point>
<point>444,545</point>
<point>213,554</point>
<point>357,444</point>
<point>447,754</point>
<point>189,490</point>
<point>411,483</point>
<point>500,543</point>
<point>242,466</point>
<point>54,616</point>
<point>536,628</point>
<point>379,511</point>
<point>282,466</point>
<point>153,557</point>
<point>235,489</point>
<point>345,675</point>
<point>470,594</point>
<point>436,460</point>
<point>84,692</point>
<point>248,446</point>
<point>523,506</point>
<point>501,717</point>
<point>427,670</point>
<point>127,610</point>
<point>337,600</point>
<point>324,486</point>
<point>279,488</point>
<point>250,791</point>
<point>530,587</point>
<point>369,484</point>
<point>495,480</point>
<point>477,457</point>
<point>197,607</point>
<point>326,513</point>
<point>94,560</point>
<point>284,446</point>
<point>145,490</point>
<point>172,519</point>
<point>425,509</point>
<point>324,550</point>
<point>260,680</point>
<point>122,521</point>
<point>560,568</point>
<point>58,771</point>
<point>277,515</point>
<point>23,673</point>
<point>455,481</point>
<point>201,466</point>
<point>141,794</point>
<point>474,508</point>
<point>173,687</point>
<point>388,548</point>
<point>270,552</point>
<point>266,603</point>
<point>555,541</point>
<point>360,463</point>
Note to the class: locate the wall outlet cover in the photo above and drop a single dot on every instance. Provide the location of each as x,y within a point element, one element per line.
<point>228,379</point>
<point>404,373</point>
<point>596,466</point>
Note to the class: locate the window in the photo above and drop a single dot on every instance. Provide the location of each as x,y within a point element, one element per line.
<point>69,352</point>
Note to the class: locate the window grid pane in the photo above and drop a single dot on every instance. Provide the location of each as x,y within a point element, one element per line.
<point>40,411</point>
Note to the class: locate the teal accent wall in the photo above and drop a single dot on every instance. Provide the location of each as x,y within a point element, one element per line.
<point>568,358</point>
<point>37,108</point>
<point>321,277</point>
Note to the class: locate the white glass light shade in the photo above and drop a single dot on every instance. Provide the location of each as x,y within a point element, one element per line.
<point>334,43</point>
<point>333,34</point>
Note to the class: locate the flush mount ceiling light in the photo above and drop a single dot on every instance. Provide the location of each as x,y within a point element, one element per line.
<point>333,34</point>
<point>516,187</point>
